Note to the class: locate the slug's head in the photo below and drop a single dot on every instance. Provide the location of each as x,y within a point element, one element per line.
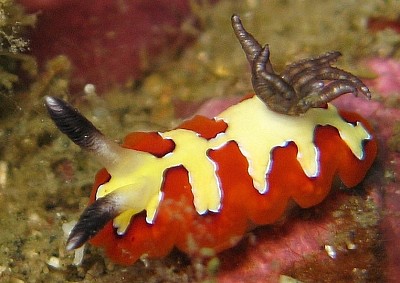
<point>123,192</point>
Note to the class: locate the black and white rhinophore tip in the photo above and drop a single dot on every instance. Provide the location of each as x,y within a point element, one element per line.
<point>93,219</point>
<point>72,123</point>
<point>82,132</point>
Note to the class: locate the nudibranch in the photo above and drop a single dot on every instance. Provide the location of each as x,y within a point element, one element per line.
<point>207,182</point>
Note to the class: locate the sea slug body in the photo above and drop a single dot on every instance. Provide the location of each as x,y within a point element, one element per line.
<point>207,182</point>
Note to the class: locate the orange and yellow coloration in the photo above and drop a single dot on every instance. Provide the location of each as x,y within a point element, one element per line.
<point>207,182</point>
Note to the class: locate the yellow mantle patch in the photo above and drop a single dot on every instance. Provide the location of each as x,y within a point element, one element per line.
<point>137,180</point>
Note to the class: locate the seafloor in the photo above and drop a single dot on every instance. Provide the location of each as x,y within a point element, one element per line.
<point>45,180</point>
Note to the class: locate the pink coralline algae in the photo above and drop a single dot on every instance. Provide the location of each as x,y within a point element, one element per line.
<point>108,42</point>
<point>387,119</point>
<point>388,71</point>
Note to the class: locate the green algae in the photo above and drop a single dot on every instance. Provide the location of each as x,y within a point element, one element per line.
<point>394,141</point>
<point>13,24</point>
